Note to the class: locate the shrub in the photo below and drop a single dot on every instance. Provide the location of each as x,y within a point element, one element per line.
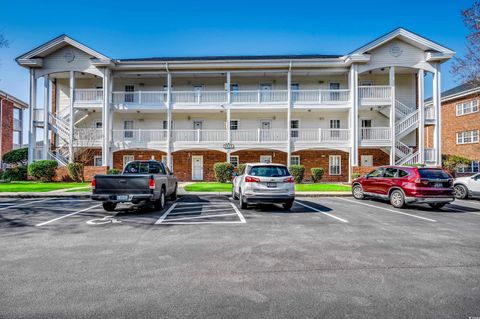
<point>113,171</point>
<point>241,169</point>
<point>415,165</point>
<point>18,173</point>
<point>317,174</point>
<point>75,171</point>
<point>223,172</point>
<point>453,162</point>
<point>298,172</point>
<point>16,157</point>
<point>43,170</point>
<point>355,176</point>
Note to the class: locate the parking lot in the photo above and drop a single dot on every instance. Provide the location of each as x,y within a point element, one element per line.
<point>203,256</point>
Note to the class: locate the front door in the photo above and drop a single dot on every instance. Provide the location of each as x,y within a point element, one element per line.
<point>265,126</point>
<point>265,92</point>
<point>197,168</point>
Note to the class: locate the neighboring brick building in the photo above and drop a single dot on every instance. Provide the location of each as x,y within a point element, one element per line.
<point>460,124</point>
<point>11,119</point>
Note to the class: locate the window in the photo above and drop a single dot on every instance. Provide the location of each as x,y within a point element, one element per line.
<point>128,127</point>
<point>473,167</point>
<point>127,158</point>
<point>294,125</point>
<point>334,164</point>
<point>334,96</point>
<point>233,125</point>
<point>98,124</point>
<point>467,137</point>
<point>294,160</point>
<point>234,160</point>
<point>467,107</point>
<point>129,97</point>
<point>390,172</point>
<point>265,158</point>
<point>234,89</point>
<point>97,160</point>
<point>295,87</point>
<point>433,173</point>
<point>376,173</point>
<point>137,168</point>
<point>334,126</point>
<point>269,171</point>
<point>156,168</point>
<point>402,173</point>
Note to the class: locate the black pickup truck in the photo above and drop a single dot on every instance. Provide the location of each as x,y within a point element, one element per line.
<point>141,182</point>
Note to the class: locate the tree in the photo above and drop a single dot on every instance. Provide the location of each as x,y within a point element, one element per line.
<point>467,68</point>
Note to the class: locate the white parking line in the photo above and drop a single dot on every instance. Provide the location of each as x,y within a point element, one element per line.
<point>319,211</point>
<point>25,204</point>
<point>198,211</point>
<point>387,209</point>
<point>161,219</point>
<point>240,215</point>
<point>203,206</point>
<point>196,203</point>
<point>199,217</point>
<point>58,218</point>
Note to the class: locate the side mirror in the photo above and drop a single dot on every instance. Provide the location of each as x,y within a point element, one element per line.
<point>366,176</point>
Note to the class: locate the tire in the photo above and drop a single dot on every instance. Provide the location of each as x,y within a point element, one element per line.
<point>243,205</point>
<point>288,205</point>
<point>397,199</point>
<point>437,205</point>
<point>109,206</point>
<point>357,192</point>
<point>461,192</point>
<point>160,203</point>
<point>173,196</point>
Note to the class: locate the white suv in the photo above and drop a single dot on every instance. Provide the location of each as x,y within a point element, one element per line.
<point>467,186</point>
<point>264,184</point>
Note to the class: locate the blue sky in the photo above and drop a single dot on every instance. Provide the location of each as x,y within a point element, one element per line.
<point>124,29</point>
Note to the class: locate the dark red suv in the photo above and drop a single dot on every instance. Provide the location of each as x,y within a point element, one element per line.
<point>404,185</point>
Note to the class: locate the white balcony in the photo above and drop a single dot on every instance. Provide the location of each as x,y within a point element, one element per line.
<point>88,97</point>
<point>139,100</point>
<point>199,97</point>
<point>260,97</point>
<point>88,137</point>
<point>322,136</point>
<point>138,138</point>
<point>320,97</point>
<point>259,136</point>
<point>377,136</point>
<point>375,95</point>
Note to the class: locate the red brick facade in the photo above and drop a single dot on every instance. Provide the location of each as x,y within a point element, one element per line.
<point>320,158</point>
<point>138,155</point>
<point>182,163</point>
<point>253,156</point>
<point>6,126</point>
<point>379,158</point>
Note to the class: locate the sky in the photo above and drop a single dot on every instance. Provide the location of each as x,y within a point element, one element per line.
<point>121,29</point>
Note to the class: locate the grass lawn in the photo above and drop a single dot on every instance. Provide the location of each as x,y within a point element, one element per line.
<point>219,187</point>
<point>37,186</point>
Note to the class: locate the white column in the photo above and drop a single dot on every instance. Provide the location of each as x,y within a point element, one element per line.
<point>31,128</point>
<point>421,115</point>
<point>169,120</point>
<point>229,114</point>
<point>71,126</point>
<point>437,136</point>
<point>392,114</point>
<point>353,85</point>
<point>228,89</point>
<point>106,118</point>
<point>46,86</point>
<point>289,117</point>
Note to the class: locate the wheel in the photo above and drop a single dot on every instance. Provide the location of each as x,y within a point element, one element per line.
<point>109,206</point>
<point>437,205</point>
<point>288,205</point>
<point>397,199</point>
<point>243,205</point>
<point>357,192</point>
<point>160,203</point>
<point>174,194</point>
<point>461,192</point>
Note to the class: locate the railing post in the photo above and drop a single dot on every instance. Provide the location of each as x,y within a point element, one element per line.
<point>320,135</point>
<point>198,135</point>
<point>139,97</point>
<point>138,135</point>
<point>258,96</point>
<point>198,97</point>
<point>258,135</point>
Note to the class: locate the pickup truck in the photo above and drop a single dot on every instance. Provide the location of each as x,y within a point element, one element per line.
<point>141,182</point>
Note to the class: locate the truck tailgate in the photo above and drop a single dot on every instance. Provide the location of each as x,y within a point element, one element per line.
<point>122,184</point>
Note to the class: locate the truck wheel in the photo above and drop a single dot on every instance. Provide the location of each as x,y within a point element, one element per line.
<point>174,194</point>
<point>243,204</point>
<point>288,205</point>
<point>109,206</point>
<point>160,203</point>
<point>461,192</point>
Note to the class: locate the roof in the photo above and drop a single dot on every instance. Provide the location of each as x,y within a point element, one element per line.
<point>458,91</point>
<point>236,57</point>
<point>16,101</point>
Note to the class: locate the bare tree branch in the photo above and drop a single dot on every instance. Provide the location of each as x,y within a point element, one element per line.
<point>4,43</point>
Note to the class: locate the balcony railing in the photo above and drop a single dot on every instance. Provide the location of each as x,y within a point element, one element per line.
<point>140,97</point>
<point>86,96</point>
<point>375,133</point>
<point>199,97</point>
<point>429,155</point>
<point>139,136</point>
<point>259,135</point>
<point>375,93</point>
<point>429,113</point>
<point>320,96</point>
<point>88,136</point>
<point>260,96</point>
<point>38,115</point>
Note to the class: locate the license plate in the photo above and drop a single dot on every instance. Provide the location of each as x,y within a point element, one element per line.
<point>438,185</point>
<point>272,185</point>
<point>122,197</point>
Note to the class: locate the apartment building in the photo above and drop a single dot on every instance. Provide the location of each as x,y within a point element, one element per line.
<point>460,125</point>
<point>345,113</point>
<point>11,122</point>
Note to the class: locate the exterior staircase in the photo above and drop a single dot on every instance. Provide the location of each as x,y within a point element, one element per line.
<point>60,125</point>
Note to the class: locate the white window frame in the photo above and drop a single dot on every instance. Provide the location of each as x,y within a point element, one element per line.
<point>292,133</point>
<point>238,124</point>
<point>473,167</point>
<point>237,160</point>
<point>269,156</point>
<point>95,158</point>
<point>466,108</point>
<point>128,130</point>
<point>129,93</point>
<point>297,157</point>
<point>462,136</point>
<point>332,158</point>
<point>125,157</point>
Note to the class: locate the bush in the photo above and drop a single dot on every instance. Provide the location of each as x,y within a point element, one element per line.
<point>113,171</point>
<point>355,176</point>
<point>317,174</point>
<point>298,172</point>
<point>75,171</point>
<point>16,157</point>
<point>453,162</point>
<point>223,172</point>
<point>18,173</point>
<point>43,170</point>
<point>241,169</point>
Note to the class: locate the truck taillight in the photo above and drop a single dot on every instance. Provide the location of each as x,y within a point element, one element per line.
<point>151,183</point>
<point>94,183</point>
<point>289,180</point>
<point>251,179</point>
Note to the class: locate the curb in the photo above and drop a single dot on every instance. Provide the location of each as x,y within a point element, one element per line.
<point>45,195</point>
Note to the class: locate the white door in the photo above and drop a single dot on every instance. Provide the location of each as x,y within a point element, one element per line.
<point>366,160</point>
<point>266,94</point>
<point>366,132</point>
<point>265,159</point>
<point>265,126</point>
<point>197,168</point>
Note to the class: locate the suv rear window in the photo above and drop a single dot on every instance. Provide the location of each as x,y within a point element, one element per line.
<point>433,173</point>
<point>269,171</point>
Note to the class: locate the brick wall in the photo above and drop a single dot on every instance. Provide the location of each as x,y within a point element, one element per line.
<point>379,158</point>
<point>61,175</point>
<point>320,158</point>
<point>182,163</point>
<point>253,156</point>
<point>90,171</point>
<point>87,155</point>
<point>7,127</point>
<point>138,155</point>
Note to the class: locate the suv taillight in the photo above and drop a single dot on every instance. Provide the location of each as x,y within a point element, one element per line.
<point>94,183</point>
<point>251,179</point>
<point>421,182</point>
<point>151,183</point>
<point>289,180</point>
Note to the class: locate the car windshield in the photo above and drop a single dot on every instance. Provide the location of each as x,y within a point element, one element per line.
<point>269,171</point>
<point>433,173</point>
